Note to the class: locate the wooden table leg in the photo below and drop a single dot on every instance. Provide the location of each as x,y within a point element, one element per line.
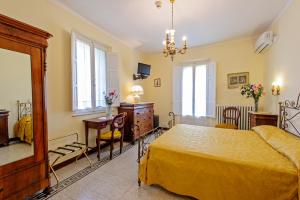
<point>98,142</point>
<point>86,135</point>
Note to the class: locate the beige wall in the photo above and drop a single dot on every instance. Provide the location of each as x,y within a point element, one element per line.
<point>60,22</point>
<point>230,56</point>
<point>283,58</point>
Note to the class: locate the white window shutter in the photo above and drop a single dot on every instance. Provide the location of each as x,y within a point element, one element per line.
<point>211,89</point>
<point>113,66</point>
<point>177,90</point>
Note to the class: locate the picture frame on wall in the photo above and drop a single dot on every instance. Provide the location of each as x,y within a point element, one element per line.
<point>157,82</point>
<point>236,80</point>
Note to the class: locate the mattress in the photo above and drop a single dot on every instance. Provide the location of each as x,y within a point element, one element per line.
<point>211,163</point>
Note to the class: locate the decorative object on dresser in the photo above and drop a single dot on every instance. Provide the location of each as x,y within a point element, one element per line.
<point>140,114</point>
<point>24,166</point>
<point>4,127</point>
<point>254,91</point>
<point>136,91</point>
<point>260,118</point>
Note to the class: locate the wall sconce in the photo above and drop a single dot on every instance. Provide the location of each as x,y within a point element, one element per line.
<point>275,89</point>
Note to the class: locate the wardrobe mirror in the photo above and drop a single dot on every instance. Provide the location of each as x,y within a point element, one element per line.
<point>16,123</point>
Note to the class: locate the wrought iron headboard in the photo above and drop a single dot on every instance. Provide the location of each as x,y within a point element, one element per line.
<point>24,109</point>
<point>288,113</point>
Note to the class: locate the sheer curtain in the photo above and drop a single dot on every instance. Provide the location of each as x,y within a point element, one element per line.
<point>83,75</point>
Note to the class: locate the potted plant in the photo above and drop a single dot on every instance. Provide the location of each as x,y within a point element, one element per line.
<point>110,98</point>
<point>254,91</point>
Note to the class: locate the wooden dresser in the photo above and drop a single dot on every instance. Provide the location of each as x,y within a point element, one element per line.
<point>259,118</point>
<point>4,127</point>
<point>140,114</point>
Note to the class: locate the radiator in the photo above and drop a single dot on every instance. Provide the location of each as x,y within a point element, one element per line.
<point>244,121</point>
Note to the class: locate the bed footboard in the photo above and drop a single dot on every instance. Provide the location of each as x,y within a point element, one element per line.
<point>145,140</point>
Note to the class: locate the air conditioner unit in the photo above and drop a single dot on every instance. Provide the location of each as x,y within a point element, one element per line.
<point>264,41</point>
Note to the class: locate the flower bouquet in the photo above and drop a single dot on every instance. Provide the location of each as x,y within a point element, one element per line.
<point>254,91</point>
<point>110,98</point>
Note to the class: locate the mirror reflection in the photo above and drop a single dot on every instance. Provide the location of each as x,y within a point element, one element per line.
<point>16,124</point>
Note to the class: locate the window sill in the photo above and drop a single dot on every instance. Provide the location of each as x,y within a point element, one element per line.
<point>88,112</point>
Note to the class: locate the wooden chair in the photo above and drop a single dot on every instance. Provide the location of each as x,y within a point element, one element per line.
<point>116,133</point>
<point>231,116</point>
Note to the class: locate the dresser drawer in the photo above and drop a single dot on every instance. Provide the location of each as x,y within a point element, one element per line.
<point>1,189</point>
<point>137,114</point>
<point>19,181</point>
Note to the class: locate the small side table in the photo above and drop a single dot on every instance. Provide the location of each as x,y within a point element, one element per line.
<point>262,118</point>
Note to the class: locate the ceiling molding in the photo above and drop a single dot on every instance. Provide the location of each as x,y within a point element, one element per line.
<point>282,12</point>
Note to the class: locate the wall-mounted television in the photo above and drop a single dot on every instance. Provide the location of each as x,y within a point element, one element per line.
<point>143,69</point>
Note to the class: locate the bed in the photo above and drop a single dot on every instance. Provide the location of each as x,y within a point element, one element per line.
<point>210,163</point>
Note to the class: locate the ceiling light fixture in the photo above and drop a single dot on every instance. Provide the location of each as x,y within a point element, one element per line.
<point>169,42</point>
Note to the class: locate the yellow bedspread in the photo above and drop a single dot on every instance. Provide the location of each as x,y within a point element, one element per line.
<point>212,164</point>
<point>24,129</point>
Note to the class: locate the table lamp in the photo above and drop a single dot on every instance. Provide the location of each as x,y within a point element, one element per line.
<point>136,91</point>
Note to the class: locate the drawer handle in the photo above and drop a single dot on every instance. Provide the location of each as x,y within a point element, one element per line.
<point>1,189</point>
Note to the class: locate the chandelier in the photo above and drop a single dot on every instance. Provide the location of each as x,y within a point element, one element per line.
<point>169,43</point>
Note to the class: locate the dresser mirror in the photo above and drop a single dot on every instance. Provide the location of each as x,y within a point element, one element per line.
<point>16,124</point>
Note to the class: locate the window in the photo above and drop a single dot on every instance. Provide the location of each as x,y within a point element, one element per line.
<point>194,89</point>
<point>90,69</point>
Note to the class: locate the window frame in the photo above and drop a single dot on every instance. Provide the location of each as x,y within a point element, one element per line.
<point>93,45</point>
<point>194,64</point>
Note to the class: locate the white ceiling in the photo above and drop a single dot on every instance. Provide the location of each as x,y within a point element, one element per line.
<point>141,25</point>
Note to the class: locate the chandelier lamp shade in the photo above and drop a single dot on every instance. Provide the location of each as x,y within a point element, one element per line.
<point>170,48</point>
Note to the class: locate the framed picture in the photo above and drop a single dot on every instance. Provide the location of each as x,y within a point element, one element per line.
<point>237,80</point>
<point>157,82</point>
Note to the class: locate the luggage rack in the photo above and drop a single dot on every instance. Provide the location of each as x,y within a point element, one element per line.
<point>62,151</point>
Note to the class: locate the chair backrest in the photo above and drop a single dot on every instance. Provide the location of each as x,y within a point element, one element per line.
<point>119,121</point>
<point>231,114</point>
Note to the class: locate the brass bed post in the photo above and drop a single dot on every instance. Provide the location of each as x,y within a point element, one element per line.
<point>137,128</point>
<point>172,121</point>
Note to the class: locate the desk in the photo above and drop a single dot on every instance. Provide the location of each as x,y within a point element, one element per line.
<point>96,123</point>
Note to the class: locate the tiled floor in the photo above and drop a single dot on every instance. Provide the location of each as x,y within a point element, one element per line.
<point>113,181</point>
<point>14,152</point>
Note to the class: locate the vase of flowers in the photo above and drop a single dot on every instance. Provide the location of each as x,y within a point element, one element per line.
<point>110,98</point>
<point>254,91</point>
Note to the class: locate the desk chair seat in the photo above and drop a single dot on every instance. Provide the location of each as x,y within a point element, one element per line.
<point>226,126</point>
<point>107,135</point>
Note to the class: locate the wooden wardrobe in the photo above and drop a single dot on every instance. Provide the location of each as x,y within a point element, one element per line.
<point>23,175</point>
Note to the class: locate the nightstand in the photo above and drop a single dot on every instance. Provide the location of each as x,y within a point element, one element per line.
<point>262,118</point>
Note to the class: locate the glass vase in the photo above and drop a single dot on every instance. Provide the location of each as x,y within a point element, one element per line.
<point>108,111</point>
<point>255,105</point>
